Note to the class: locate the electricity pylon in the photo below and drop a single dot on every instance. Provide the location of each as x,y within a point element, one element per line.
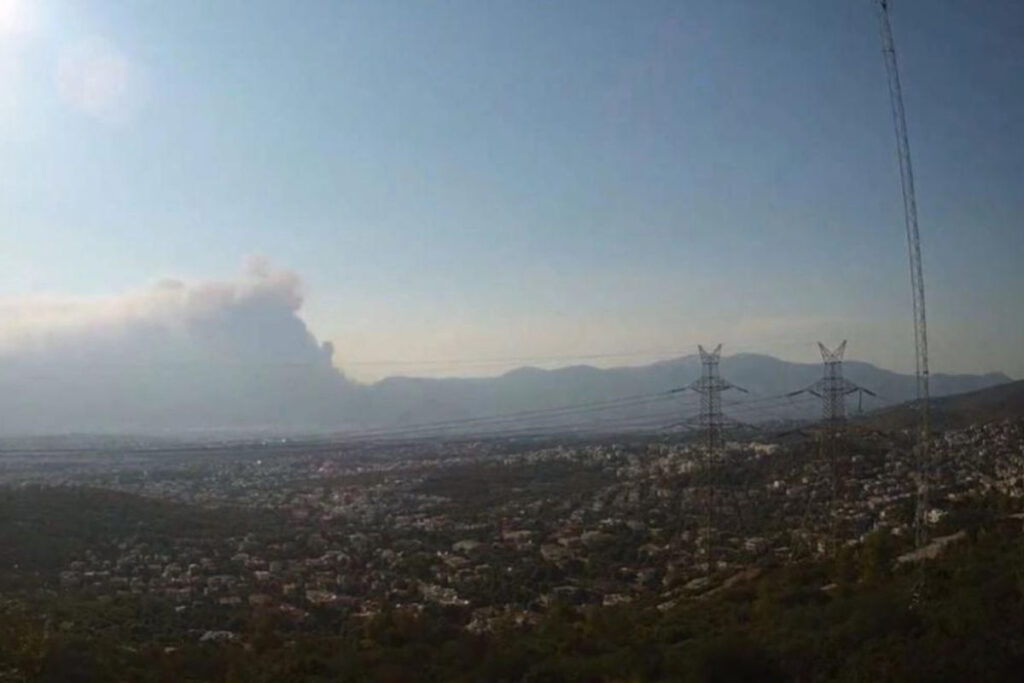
<point>832,389</point>
<point>710,387</point>
<point>923,460</point>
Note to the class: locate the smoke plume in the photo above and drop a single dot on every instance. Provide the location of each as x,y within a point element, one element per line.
<point>231,354</point>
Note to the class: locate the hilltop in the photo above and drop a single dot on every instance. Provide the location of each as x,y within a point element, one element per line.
<point>991,404</point>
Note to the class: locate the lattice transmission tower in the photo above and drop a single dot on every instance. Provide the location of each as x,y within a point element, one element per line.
<point>712,422</point>
<point>833,389</point>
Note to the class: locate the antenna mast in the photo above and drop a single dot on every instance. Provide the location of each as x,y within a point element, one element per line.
<point>916,273</point>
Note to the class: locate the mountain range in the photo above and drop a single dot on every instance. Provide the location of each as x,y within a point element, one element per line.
<point>258,397</point>
<point>629,396</point>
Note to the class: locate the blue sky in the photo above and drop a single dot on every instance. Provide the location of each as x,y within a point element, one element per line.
<point>463,185</point>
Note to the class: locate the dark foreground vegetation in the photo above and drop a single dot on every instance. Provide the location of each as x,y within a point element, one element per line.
<point>857,618</point>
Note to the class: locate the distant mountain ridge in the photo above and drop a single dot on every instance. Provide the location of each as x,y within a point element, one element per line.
<point>398,401</point>
<point>265,398</point>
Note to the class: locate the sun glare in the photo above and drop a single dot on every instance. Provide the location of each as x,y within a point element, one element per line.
<point>16,17</point>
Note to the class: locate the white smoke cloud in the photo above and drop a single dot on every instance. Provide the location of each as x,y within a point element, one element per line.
<point>227,354</point>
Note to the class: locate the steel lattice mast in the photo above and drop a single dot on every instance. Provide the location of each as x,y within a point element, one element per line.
<point>916,272</point>
<point>710,387</point>
<point>833,389</point>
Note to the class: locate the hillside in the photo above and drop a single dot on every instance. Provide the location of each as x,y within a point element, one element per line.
<point>859,618</point>
<point>1000,402</point>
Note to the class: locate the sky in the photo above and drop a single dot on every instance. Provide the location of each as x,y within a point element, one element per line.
<point>463,187</point>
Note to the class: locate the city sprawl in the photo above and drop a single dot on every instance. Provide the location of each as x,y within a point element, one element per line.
<point>494,532</point>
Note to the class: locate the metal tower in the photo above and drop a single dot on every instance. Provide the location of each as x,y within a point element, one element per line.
<point>833,389</point>
<point>710,387</point>
<point>923,460</point>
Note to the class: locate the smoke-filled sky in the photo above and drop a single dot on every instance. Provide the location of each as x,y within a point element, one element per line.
<point>461,187</point>
<point>221,354</point>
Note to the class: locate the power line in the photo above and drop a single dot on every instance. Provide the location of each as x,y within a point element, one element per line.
<point>545,413</point>
<point>525,421</point>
